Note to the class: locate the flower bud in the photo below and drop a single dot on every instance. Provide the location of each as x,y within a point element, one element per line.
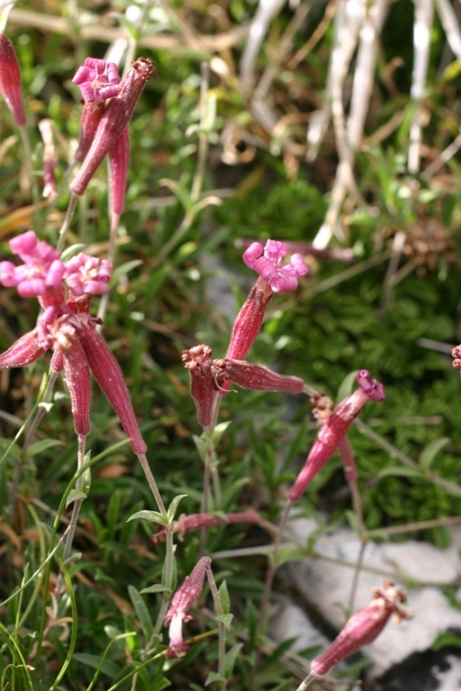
<point>363,627</point>
<point>255,377</point>
<point>180,605</point>
<point>335,429</point>
<point>10,81</point>
<point>198,361</point>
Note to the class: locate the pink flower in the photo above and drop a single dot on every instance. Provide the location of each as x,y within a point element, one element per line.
<point>87,275</point>
<point>42,269</point>
<point>267,264</point>
<point>97,79</point>
<point>114,119</point>
<point>10,81</point>
<point>180,605</point>
<point>335,429</point>
<point>272,279</point>
<point>363,627</point>
<point>66,327</point>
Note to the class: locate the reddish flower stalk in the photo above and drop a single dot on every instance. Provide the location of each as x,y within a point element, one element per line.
<point>335,429</point>
<point>255,377</point>
<point>23,352</point>
<point>249,320</point>
<point>180,605</point>
<point>119,158</point>
<point>107,373</point>
<point>196,521</point>
<point>363,627</point>
<point>10,81</point>
<point>89,121</point>
<point>49,159</point>
<point>114,119</point>
<point>77,373</point>
<point>198,361</point>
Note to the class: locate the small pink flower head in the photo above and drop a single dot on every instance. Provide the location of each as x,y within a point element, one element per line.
<point>364,626</point>
<point>372,388</point>
<point>180,605</point>
<point>10,81</point>
<point>97,80</point>
<point>266,263</point>
<point>87,275</point>
<point>42,268</point>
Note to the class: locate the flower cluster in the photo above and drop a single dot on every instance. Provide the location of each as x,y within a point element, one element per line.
<point>64,291</point>
<point>109,105</point>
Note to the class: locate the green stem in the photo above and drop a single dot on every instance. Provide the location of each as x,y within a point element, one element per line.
<point>152,484</point>
<point>221,628</point>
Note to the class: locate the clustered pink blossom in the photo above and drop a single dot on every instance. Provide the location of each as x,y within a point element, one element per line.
<point>97,80</point>
<point>64,291</point>
<point>267,263</point>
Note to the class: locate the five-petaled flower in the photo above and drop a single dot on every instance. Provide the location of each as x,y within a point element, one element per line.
<point>267,263</point>
<point>65,290</point>
<point>272,278</point>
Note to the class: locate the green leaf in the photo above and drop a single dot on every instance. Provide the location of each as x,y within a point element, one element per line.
<point>112,670</point>
<point>144,515</point>
<point>71,251</point>
<point>75,494</point>
<point>39,446</point>
<point>219,431</point>
<point>225,619</point>
<point>400,472</point>
<point>173,506</point>
<point>429,452</point>
<point>125,269</point>
<point>288,553</point>
<point>142,612</point>
<point>347,386</point>
<point>229,660</point>
<point>157,588</point>
<point>224,597</point>
<point>214,676</point>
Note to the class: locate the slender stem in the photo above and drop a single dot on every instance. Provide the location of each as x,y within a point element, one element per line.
<point>264,611</point>
<point>29,435</point>
<point>206,494</point>
<point>153,486</point>
<point>114,223</point>
<point>167,580</point>
<point>307,681</point>
<point>221,628</point>
<point>28,156</point>
<point>67,220</point>
<point>203,136</point>
<point>81,440</point>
